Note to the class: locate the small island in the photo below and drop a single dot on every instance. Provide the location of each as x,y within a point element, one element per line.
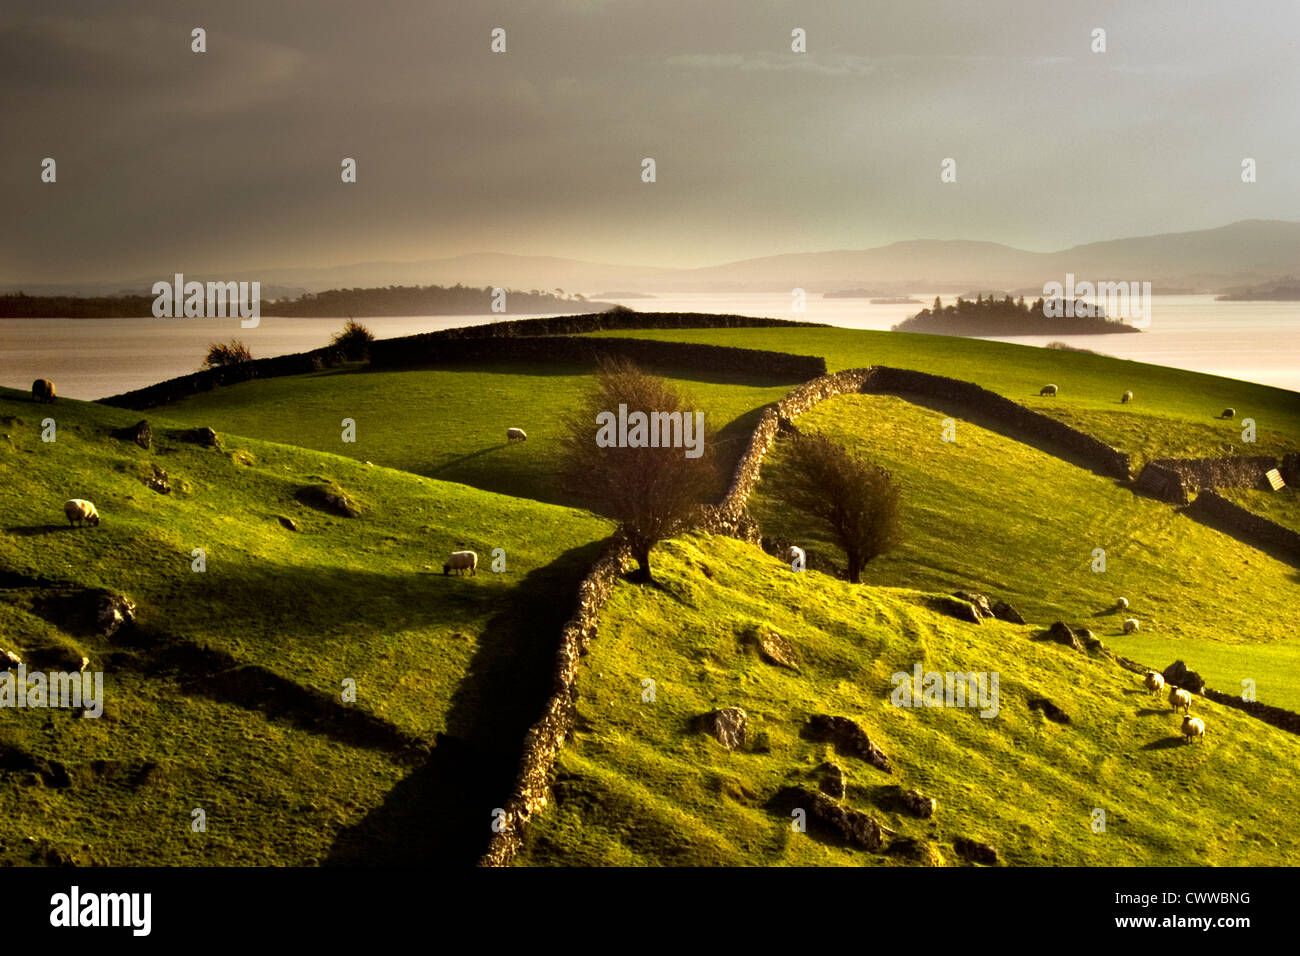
<point>1006,316</point>
<point>852,294</point>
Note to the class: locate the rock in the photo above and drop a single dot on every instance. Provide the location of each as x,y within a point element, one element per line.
<point>158,481</point>
<point>1061,633</point>
<point>917,804</point>
<point>975,851</point>
<point>978,601</point>
<point>962,610</point>
<point>847,738</point>
<point>919,851</point>
<point>140,433</point>
<point>730,726</point>
<point>854,826</point>
<point>833,782</point>
<point>1050,710</point>
<point>1005,612</point>
<point>114,612</point>
<point>289,523</point>
<point>1178,675</point>
<point>773,648</point>
<point>330,499</point>
<point>200,436</point>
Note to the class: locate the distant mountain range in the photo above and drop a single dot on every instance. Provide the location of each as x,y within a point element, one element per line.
<point>1210,260</point>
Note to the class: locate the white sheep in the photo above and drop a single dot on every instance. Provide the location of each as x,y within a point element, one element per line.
<point>795,557</point>
<point>10,659</point>
<point>1180,698</point>
<point>1193,727</point>
<point>1155,682</point>
<point>516,434</point>
<point>79,509</point>
<point>461,561</point>
<point>1048,390</point>
<point>1130,625</point>
<point>1122,604</point>
<point>1126,398</point>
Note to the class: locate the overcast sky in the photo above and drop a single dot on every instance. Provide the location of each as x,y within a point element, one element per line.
<point>168,160</point>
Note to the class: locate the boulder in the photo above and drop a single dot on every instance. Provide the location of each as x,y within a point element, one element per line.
<point>158,481</point>
<point>288,523</point>
<point>1005,612</point>
<point>833,782</point>
<point>978,601</point>
<point>329,498</point>
<point>774,648</point>
<point>1061,633</point>
<point>1178,675</point>
<point>730,726</point>
<point>847,738</point>
<point>953,607</point>
<point>853,826</point>
<point>1049,710</point>
<point>114,612</point>
<point>917,804</point>
<point>975,851</point>
<point>141,433</point>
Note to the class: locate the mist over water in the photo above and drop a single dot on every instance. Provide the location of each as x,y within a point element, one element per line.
<point>95,358</point>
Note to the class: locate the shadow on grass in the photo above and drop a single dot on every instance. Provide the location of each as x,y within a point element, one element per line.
<point>31,530</point>
<point>441,813</point>
<point>1165,743</point>
<point>454,462</point>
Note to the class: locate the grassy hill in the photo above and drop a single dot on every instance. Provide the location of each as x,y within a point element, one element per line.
<point>227,694</point>
<point>1173,413</point>
<point>639,786</point>
<point>450,423</point>
<point>994,515</point>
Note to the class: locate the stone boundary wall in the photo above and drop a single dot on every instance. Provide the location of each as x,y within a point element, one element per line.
<point>1103,457</point>
<point>547,736</point>
<point>1216,510</point>
<point>562,348</point>
<point>1176,480</point>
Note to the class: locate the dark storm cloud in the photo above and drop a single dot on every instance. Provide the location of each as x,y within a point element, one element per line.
<point>170,160</point>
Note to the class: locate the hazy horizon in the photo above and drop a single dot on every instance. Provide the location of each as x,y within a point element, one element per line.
<point>170,160</point>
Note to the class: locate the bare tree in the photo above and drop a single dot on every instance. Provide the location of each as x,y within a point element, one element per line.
<point>856,501</point>
<point>653,492</point>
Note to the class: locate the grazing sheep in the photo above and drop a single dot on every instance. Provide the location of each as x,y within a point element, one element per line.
<point>1126,398</point>
<point>9,659</point>
<point>1229,413</point>
<point>461,561</point>
<point>85,662</point>
<point>1180,698</point>
<point>516,434</point>
<point>1193,727</point>
<point>43,391</point>
<point>1048,390</point>
<point>1155,682</point>
<point>795,553</point>
<point>79,509</point>
<point>1130,625</point>
<point>1122,604</point>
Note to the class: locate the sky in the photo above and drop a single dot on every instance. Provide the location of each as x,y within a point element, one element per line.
<point>169,160</point>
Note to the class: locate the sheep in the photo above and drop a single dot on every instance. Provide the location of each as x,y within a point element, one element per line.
<point>1180,698</point>
<point>9,659</point>
<point>1126,398</point>
<point>516,434</point>
<point>1155,683</point>
<point>795,557</point>
<point>85,662</point>
<point>1130,625</point>
<point>79,509</point>
<point>1122,604</point>
<point>1229,413</point>
<point>1193,727</point>
<point>43,391</point>
<point>461,561</point>
<point>1048,390</point>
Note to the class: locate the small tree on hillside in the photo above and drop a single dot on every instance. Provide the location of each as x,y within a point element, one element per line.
<point>856,501</point>
<point>354,341</point>
<point>653,492</point>
<point>232,353</point>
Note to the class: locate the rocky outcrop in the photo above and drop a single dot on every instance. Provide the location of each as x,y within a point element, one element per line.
<point>1049,710</point>
<point>847,737</point>
<point>975,851</point>
<point>1005,612</point>
<point>1177,674</point>
<point>729,726</point>
<point>772,647</point>
<point>852,826</point>
<point>1060,633</point>
<point>330,499</point>
<point>113,612</point>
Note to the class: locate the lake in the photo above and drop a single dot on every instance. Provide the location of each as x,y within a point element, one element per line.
<point>95,358</point>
